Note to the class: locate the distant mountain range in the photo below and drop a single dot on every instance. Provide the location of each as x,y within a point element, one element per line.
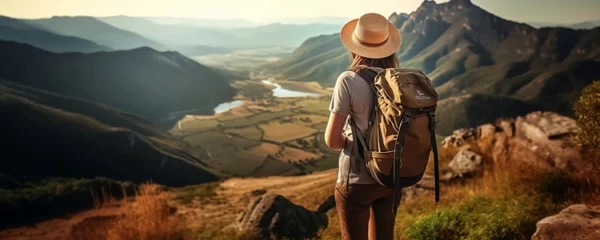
<point>186,35</point>
<point>49,135</point>
<point>142,81</point>
<point>16,30</point>
<point>97,31</point>
<point>581,25</point>
<point>467,50</point>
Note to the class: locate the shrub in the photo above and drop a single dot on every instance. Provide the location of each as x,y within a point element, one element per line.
<point>30,200</point>
<point>587,112</point>
<point>444,224</point>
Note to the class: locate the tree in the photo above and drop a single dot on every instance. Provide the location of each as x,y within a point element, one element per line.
<point>587,112</point>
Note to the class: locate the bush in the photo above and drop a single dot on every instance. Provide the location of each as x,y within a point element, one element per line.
<point>29,200</point>
<point>444,225</point>
<point>587,112</point>
<point>484,218</point>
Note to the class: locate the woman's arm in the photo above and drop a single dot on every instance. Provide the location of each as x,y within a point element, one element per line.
<point>340,108</point>
<point>333,133</point>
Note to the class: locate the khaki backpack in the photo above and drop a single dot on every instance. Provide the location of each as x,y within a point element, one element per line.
<point>401,131</point>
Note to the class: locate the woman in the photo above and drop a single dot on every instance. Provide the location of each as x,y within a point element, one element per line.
<point>364,206</point>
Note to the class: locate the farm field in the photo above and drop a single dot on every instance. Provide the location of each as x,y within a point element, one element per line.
<point>265,136</point>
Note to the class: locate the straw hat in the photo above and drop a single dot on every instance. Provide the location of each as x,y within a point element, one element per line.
<point>371,36</point>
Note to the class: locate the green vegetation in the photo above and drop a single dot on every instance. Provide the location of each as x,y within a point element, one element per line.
<point>29,200</point>
<point>250,132</point>
<point>255,119</point>
<point>283,138</point>
<point>199,125</point>
<point>587,111</point>
<point>196,192</point>
<point>283,132</point>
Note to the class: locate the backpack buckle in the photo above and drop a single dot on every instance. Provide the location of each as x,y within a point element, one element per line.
<point>406,120</point>
<point>432,120</point>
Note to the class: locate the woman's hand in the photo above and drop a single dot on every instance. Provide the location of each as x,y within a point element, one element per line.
<point>333,133</point>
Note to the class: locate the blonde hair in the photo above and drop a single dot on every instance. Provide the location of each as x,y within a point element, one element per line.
<point>358,62</point>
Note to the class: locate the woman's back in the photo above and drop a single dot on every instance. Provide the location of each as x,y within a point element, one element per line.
<point>352,96</point>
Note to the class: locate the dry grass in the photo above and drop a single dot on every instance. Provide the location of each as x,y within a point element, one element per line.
<point>147,217</point>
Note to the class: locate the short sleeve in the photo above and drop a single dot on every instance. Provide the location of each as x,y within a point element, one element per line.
<point>340,99</point>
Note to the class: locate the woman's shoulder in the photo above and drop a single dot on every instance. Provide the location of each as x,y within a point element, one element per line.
<point>346,77</point>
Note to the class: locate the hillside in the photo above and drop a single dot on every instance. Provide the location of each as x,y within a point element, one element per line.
<point>142,81</point>
<point>56,136</point>
<point>16,30</point>
<point>97,31</point>
<point>183,36</point>
<point>465,49</point>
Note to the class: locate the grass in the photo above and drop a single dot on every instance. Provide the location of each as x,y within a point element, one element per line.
<point>196,192</point>
<point>289,154</point>
<point>250,132</point>
<point>199,125</point>
<point>255,119</point>
<point>31,200</point>
<point>147,217</point>
<point>283,132</point>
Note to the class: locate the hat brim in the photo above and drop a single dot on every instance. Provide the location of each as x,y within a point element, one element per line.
<point>375,52</point>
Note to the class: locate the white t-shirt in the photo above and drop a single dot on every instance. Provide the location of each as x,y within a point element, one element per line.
<point>352,96</point>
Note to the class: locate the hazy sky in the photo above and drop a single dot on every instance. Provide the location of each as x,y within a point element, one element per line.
<point>257,10</point>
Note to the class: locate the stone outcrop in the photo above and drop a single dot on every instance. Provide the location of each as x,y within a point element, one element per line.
<point>536,138</point>
<point>466,162</point>
<point>577,222</point>
<point>274,216</point>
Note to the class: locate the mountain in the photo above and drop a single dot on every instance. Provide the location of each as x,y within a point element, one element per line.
<point>586,24</point>
<point>97,31</point>
<point>49,135</point>
<point>204,22</point>
<point>465,49</point>
<point>182,36</point>
<point>154,85</point>
<point>16,30</point>
<point>580,25</point>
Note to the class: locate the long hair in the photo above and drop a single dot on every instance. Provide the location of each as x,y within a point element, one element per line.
<point>358,62</point>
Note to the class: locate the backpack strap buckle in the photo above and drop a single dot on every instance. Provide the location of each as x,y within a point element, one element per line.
<point>432,121</point>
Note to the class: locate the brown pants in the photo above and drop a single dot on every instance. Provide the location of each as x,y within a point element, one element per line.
<point>365,211</point>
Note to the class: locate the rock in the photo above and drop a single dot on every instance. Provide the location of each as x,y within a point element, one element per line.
<point>545,126</point>
<point>459,137</point>
<point>507,126</point>
<point>486,131</point>
<point>576,222</point>
<point>541,133</point>
<point>466,162</point>
<point>274,216</point>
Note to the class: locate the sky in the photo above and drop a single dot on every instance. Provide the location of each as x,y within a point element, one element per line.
<point>554,11</point>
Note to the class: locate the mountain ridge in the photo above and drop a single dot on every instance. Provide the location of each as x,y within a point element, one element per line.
<point>95,30</point>
<point>465,49</point>
<point>16,30</point>
<point>142,81</point>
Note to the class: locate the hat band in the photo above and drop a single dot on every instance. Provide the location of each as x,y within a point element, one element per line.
<point>368,44</point>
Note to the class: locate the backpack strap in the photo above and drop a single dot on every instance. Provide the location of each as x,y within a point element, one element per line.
<point>436,170</point>
<point>398,149</point>
<point>368,74</point>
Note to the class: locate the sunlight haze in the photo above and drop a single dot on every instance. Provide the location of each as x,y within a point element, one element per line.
<point>276,10</point>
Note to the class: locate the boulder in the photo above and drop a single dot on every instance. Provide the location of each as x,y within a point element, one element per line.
<point>545,126</point>
<point>466,162</point>
<point>459,137</point>
<point>576,222</point>
<point>274,216</point>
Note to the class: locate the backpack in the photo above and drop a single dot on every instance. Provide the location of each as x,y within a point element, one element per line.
<point>401,131</point>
